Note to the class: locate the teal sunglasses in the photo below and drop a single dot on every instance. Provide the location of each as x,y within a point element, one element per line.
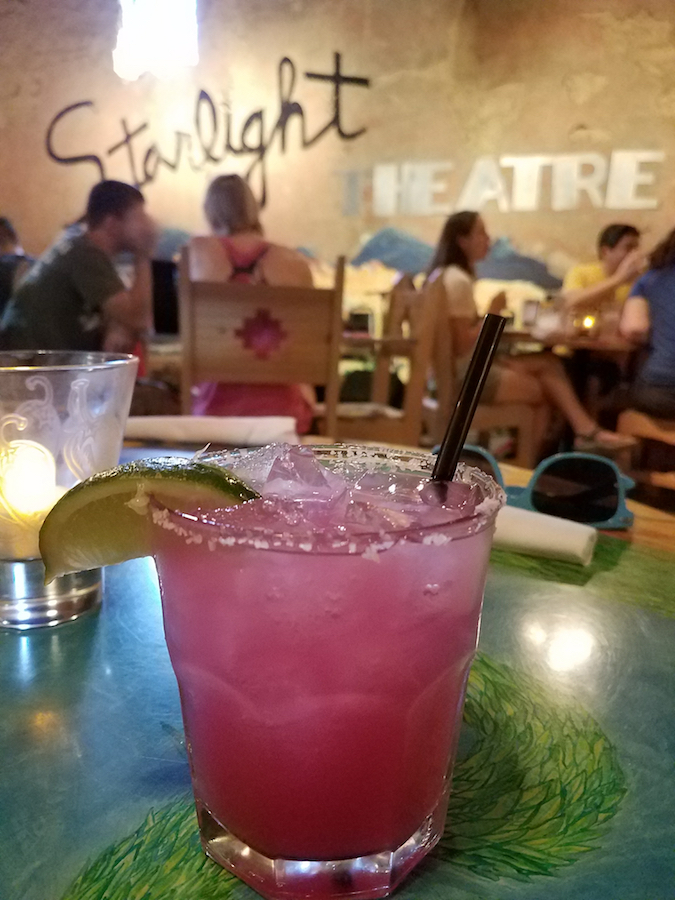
<point>582,487</point>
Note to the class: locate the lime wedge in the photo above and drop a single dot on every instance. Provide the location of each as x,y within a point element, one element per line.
<point>103,520</point>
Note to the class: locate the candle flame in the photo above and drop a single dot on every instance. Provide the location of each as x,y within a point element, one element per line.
<point>28,490</point>
<point>28,478</point>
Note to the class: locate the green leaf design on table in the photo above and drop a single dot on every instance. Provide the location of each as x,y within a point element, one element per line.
<point>162,860</point>
<point>535,793</point>
<point>539,787</point>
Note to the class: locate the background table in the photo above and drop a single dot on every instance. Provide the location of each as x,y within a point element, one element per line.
<point>564,788</point>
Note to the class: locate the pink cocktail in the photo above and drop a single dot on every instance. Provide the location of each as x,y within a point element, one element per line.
<point>321,638</point>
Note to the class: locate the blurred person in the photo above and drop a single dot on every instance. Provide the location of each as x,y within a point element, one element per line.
<point>238,251</point>
<point>537,379</point>
<point>13,261</point>
<point>73,298</point>
<point>597,285</point>
<point>599,290</point>
<point>9,239</point>
<point>649,317</point>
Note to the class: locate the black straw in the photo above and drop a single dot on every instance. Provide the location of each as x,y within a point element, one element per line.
<point>469,395</point>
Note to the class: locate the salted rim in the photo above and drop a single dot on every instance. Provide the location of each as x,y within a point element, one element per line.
<point>199,529</point>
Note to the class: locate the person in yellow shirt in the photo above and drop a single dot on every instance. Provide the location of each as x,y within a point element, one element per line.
<point>608,281</point>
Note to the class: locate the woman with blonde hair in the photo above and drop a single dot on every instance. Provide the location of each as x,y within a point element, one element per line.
<point>237,251</point>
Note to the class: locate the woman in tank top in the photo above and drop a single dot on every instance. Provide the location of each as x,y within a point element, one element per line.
<point>538,379</point>
<point>237,251</point>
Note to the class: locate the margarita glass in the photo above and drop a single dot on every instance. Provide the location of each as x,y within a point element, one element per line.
<point>321,638</point>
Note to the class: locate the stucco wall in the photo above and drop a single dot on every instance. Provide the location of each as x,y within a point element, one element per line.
<point>451,81</point>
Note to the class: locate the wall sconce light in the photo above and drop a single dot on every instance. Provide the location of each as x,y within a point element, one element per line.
<point>157,36</point>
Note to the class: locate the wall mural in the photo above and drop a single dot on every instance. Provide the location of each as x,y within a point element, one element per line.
<point>623,179</point>
<point>214,137</point>
<point>619,180</point>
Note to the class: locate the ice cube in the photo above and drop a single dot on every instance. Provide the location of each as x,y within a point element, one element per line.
<point>454,495</point>
<point>398,487</point>
<point>364,517</point>
<point>261,517</point>
<point>253,467</point>
<point>298,475</point>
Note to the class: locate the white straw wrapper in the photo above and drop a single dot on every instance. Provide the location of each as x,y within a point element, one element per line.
<point>536,534</point>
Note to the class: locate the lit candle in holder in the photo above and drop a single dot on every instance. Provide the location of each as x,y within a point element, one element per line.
<point>62,417</point>
<point>28,490</point>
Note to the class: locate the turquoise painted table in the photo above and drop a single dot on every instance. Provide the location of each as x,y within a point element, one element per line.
<point>565,788</point>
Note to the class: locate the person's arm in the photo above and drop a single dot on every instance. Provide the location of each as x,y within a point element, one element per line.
<point>465,329</point>
<point>131,309</point>
<point>462,311</point>
<point>497,304</point>
<point>299,272</point>
<point>464,321</point>
<point>635,322</point>
<point>577,296</point>
<point>128,315</point>
<point>464,334</point>
<point>282,266</point>
<point>22,268</point>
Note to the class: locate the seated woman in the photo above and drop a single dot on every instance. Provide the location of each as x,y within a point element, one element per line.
<point>649,316</point>
<point>538,379</point>
<point>237,251</point>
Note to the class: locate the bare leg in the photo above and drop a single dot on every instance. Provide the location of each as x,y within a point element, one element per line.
<point>519,387</point>
<point>547,370</point>
<point>542,421</point>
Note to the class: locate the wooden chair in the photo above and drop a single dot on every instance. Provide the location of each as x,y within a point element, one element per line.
<point>646,427</point>
<point>518,416</point>
<point>257,334</point>
<point>407,333</point>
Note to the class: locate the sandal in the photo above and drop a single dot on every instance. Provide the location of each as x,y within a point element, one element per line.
<point>592,441</point>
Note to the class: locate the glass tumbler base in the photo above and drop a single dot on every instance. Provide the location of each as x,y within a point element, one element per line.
<point>376,875</point>
<point>26,602</point>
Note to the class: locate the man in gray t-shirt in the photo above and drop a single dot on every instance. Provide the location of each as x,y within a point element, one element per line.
<point>73,299</point>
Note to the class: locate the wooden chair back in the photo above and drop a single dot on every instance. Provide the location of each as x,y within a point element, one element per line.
<point>256,333</point>
<point>407,333</point>
<point>443,359</point>
<point>408,326</point>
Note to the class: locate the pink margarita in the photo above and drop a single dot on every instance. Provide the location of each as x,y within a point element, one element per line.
<point>321,638</point>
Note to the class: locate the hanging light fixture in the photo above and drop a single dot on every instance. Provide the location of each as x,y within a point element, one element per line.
<point>157,36</point>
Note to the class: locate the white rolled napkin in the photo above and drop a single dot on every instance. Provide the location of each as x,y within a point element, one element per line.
<point>536,534</point>
<point>238,431</point>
